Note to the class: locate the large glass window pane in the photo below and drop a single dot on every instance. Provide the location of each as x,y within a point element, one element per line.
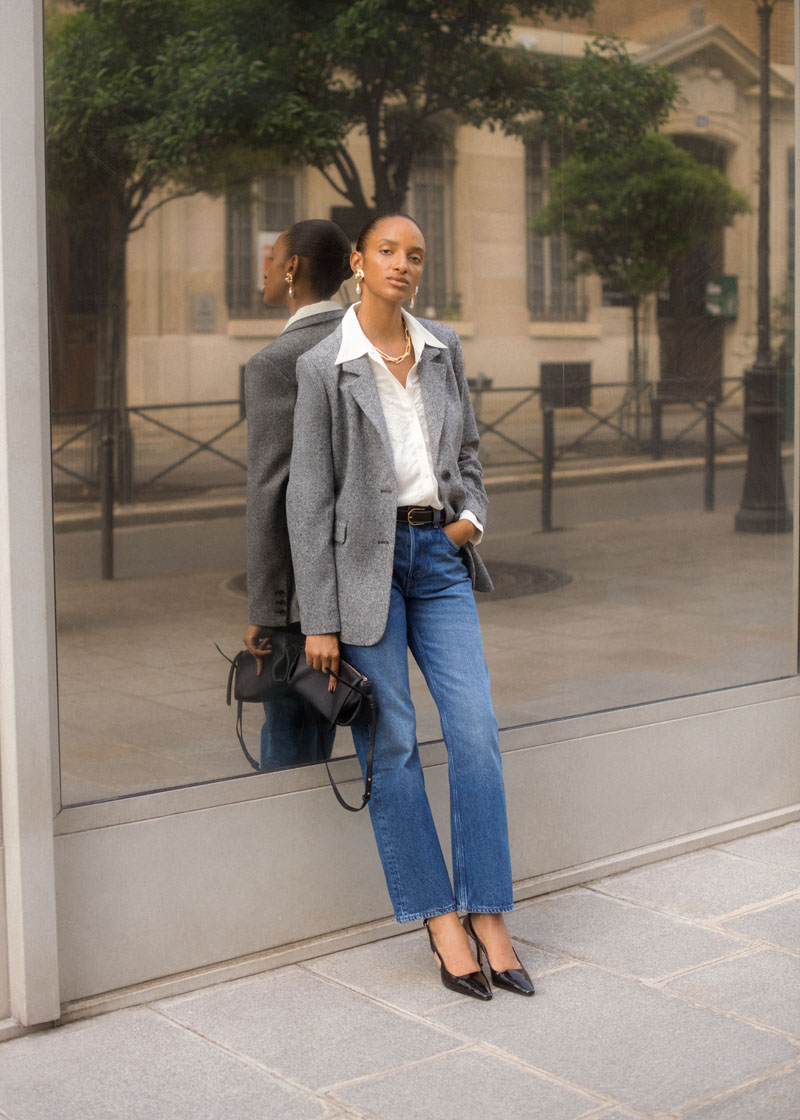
<point>627,581</point>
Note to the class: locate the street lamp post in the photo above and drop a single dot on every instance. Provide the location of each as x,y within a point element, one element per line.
<point>763,508</point>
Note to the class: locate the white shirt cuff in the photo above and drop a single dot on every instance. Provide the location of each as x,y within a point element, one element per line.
<point>471,517</point>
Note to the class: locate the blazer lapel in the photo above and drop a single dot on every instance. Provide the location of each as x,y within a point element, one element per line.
<point>432,370</point>
<point>356,376</point>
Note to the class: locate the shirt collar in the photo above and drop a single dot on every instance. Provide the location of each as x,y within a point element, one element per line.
<point>318,308</point>
<point>355,343</point>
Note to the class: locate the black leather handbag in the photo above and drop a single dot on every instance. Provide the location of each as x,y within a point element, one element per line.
<point>284,669</point>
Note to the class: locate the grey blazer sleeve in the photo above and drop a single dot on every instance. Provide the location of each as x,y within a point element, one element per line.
<point>269,399</point>
<point>476,499</point>
<point>310,505</point>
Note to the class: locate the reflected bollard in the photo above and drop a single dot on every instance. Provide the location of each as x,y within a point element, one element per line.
<point>107,506</point>
<point>709,479</point>
<point>548,463</point>
<point>656,448</point>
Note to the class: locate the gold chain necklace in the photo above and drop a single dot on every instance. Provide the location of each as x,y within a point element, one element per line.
<point>406,352</point>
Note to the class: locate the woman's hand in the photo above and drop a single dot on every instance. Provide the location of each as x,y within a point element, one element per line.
<point>460,532</point>
<point>322,652</point>
<point>256,640</point>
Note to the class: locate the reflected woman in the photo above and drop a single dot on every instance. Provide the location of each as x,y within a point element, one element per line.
<point>309,262</point>
<point>385,504</point>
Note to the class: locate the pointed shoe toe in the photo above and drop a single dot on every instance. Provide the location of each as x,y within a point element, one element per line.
<point>514,980</point>
<point>473,984</point>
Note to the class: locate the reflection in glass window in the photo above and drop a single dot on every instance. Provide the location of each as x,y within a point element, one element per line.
<point>432,197</point>
<point>268,209</point>
<point>553,293</point>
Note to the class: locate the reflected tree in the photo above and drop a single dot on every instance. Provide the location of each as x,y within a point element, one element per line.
<point>146,100</point>
<point>401,74</point>
<point>631,202</point>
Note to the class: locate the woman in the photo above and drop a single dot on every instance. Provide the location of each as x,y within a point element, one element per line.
<point>385,505</point>
<point>308,263</point>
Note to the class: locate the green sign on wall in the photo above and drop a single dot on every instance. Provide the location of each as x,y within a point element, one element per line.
<point>722,297</point>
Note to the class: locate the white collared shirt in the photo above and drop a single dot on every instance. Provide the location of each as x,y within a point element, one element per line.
<point>404,412</point>
<point>318,308</point>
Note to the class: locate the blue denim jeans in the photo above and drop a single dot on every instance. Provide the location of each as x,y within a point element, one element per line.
<point>432,612</point>
<point>289,735</point>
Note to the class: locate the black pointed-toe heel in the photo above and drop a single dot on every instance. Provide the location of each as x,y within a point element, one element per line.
<point>473,984</point>
<point>512,979</point>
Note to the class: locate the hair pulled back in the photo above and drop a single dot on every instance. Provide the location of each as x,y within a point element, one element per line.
<point>325,248</point>
<point>367,230</point>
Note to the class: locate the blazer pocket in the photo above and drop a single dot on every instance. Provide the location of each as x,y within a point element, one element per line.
<point>340,532</point>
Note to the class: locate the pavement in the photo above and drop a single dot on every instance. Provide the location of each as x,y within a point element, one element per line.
<point>652,602</point>
<point>668,991</point>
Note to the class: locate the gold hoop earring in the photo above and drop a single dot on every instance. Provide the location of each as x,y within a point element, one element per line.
<point>359,278</point>
<point>290,282</point>
<point>411,301</point>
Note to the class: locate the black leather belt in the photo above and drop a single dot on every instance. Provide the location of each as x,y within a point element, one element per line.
<point>420,516</point>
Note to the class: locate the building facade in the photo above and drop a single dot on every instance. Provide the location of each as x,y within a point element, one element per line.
<point>195,312</point>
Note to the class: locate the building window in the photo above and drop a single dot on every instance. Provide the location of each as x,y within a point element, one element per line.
<point>432,207</point>
<point>252,220</point>
<point>553,294</point>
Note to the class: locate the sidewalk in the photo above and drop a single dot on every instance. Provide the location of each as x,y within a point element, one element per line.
<point>668,991</point>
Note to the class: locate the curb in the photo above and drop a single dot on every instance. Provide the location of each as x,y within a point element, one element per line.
<point>213,505</point>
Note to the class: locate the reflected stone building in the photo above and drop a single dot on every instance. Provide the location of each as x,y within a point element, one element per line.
<point>195,311</point>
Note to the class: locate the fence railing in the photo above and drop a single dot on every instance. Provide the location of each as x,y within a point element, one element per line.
<point>199,445</point>
<point>616,420</point>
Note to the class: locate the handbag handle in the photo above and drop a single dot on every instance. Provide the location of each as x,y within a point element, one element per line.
<point>320,732</point>
<point>370,759</point>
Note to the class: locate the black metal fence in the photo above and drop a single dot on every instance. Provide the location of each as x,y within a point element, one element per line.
<point>191,447</point>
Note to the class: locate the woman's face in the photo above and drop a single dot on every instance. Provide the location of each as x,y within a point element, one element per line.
<point>276,290</point>
<point>393,259</point>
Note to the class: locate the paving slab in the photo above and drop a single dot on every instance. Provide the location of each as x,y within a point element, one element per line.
<point>764,986</point>
<point>469,1085</point>
<point>134,1065</point>
<point>402,971</point>
<point>707,884</point>
<point>618,934</point>
<point>637,1045</point>
<point>778,924</point>
<point>777,1098</point>
<point>779,846</point>
<point>312,1031</point>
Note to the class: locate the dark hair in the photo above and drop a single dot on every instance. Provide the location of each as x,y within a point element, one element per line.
<point>367,230</point>
<point>325,247</point>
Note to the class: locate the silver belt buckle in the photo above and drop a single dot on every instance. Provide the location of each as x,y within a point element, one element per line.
<point>412,511</point>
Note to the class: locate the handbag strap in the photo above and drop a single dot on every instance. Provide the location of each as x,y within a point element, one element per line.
<point>321,734</point>
<point>368,770</point>
<point>240,735</point>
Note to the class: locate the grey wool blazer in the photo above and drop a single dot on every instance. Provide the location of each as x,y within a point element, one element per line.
<point>342,495</point>
<point>270,392</point>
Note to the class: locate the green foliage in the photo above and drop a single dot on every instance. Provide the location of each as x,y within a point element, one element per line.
<point>145,94</point>
<point>403,74</point>
<point>632,212</point>
<point>604,102</point>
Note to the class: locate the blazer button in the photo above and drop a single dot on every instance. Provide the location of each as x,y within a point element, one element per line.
<point>445,476</point>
